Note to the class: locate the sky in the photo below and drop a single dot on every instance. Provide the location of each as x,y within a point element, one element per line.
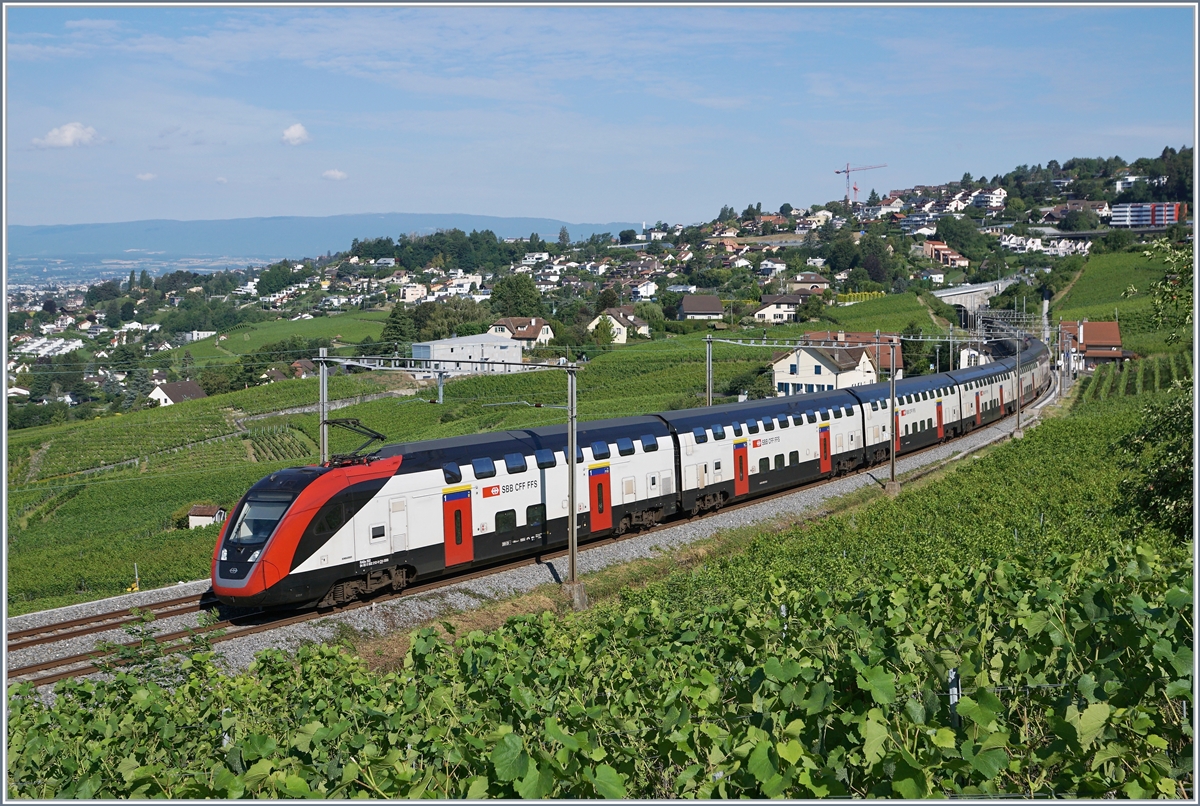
<point>581,114</point>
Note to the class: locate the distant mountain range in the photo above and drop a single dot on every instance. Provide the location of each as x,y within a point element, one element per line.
<point>268,238</point>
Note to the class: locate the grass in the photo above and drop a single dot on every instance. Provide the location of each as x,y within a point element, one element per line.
<point>1097,292</point>
<point>346,328</point>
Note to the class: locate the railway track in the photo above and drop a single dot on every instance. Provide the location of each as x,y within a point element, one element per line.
<point>244,624</point>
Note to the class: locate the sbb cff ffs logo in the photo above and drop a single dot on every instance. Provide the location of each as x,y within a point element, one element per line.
<point>490,492</point>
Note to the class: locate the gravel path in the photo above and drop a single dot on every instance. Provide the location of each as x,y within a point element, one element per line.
<point>409,612</point>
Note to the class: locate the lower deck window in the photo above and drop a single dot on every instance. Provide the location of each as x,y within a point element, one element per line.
<point>535,515</point>
<point>764,464</point>
<point>506,521</point>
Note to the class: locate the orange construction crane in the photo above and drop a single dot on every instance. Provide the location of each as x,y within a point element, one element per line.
<point>847,171</point>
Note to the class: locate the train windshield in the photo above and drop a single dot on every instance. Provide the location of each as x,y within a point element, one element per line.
<point>260,515</point>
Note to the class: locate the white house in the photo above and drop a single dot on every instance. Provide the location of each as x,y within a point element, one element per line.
<point>411,292</point>
<point>532,332</point>
<point>168,394</point>
<point>533,258</point>
<point>817,369</point>
<point>204,515</point>
<point>644,290</point>
<point>623,323</point>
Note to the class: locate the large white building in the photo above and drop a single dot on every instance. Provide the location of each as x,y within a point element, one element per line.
<point>451,355</point>
<point>1147,214</point>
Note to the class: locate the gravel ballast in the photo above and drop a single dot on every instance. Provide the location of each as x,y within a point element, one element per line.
<point>411,611</point>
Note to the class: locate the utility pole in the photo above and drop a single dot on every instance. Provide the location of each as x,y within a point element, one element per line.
<point>708,369</point>
<point>892,488</point>
<point>324,372</point>
<point>574,588</point>
<point>938,357</point>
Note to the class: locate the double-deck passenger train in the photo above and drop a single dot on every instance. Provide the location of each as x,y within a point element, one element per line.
<point>331,533</point>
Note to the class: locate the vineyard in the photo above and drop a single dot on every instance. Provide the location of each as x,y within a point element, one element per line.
<point>349,328</point>
<point>899,650</point>
<point>1146,375</point>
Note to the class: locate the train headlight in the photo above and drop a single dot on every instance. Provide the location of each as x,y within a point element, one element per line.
<point>224,555</point>
<point>254,556</point>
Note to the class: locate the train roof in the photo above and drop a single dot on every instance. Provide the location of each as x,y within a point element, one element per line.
<point>771,407</point>
<point>433,453</point>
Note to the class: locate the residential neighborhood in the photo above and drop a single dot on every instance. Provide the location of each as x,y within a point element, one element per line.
<point>134,340</point>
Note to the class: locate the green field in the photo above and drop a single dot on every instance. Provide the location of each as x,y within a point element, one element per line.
<point>813,662</point>
<point>346,328</point>
<point>889,314</point>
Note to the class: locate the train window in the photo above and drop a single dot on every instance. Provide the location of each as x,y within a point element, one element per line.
<point>578,454</point>
<point>824,414</point>
<point>649,443</point>
<point>600,450</point>
<point>794,458</point>
<point>764,464</point>
<point>718,431</point>
<point>700,434</point>
<point>484,468</point>
<point>849,411</point>
<point>458,527</point>
<point>452,473</point>
<point>737,429</point>
<point>837,414</point>
<point>377,533</point>
<point>625,446</point>
<point>797,419</point>
<point>752,426</point>
<point>329,520</point>
<point>600,498</point>
<point>810,416</point>
<point>544,457</point>
<point>783,421</point>
<point>906,429</point>
<point>506,521</point>
<point>515,463</point>
<point>779,461</point>
<point>768,424</point>
<point>535,515</point>
<point>874,405</point>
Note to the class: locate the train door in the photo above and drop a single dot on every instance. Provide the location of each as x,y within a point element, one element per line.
<point>741,469</point>
<point>896,431</point>
<point>823,438</point>
<point>599,494</point>
<point>940,428</point>
<point>456,525</point>
<point>978,410</point>
<point>398,508</point>
<point>1002,397</point>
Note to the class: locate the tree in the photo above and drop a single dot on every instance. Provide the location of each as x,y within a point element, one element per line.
<point>608,299</point>
<point>564,238</point>
<point>144,282</point>
<point>627,235</point>
<point>1079,221</point>
<point>49,307</point>
<point>132,281</point>
<point>785,209</point>
<point>188,364</point>
<point>516,295</point>
<point>966,180</point>
<point>727,213</point>
<point>1172,297</point>
<point>875,268</point>
<point>127,310</point>
<point>873,199</point>
<point>916,353</point>
<point>400,327</point>
<point>602,334</point>
<point>1157,458</point>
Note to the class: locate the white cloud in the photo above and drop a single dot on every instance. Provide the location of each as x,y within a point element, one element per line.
<point>145,177</point>
<point>72,134</point>
<point>222,180</point>
<point>334,174</point>
<point>295,134</point>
